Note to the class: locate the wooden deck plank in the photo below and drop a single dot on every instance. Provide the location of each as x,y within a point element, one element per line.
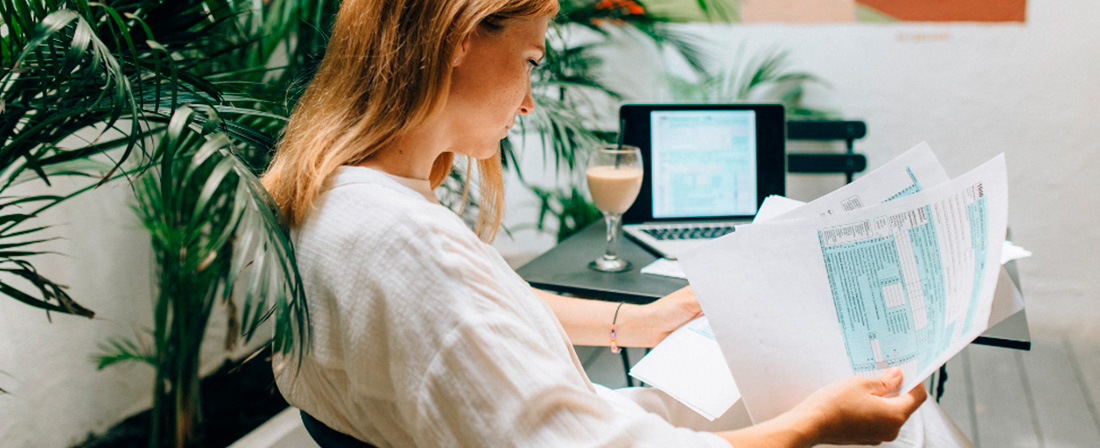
<point>958,396</point>
<point>1061,400</point>
<point>1085,358</point>
<point>1060,405</point>
<point>1002,405</point>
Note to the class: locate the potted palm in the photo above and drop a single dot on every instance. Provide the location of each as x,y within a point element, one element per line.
<point>194,121</point>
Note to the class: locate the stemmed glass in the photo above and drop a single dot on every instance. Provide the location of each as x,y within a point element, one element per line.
<point>614,174</point>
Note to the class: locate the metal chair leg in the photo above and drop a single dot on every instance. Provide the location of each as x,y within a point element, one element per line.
<point>940,382</point>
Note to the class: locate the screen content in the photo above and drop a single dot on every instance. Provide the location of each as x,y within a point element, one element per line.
<point>703,163</point>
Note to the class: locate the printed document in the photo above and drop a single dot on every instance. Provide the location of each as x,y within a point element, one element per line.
<point>708,387</point>
<point>798,303</point>
<point>909,173</point>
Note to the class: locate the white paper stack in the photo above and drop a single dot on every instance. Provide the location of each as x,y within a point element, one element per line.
<point>896,269</point>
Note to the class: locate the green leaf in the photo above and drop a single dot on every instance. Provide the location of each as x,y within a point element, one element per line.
<point>115,351</point>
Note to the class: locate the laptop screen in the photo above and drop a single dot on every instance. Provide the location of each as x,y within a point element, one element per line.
<point>703,163</point>
<point>706,161</point>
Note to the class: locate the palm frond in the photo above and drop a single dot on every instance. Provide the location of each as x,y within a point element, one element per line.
<point>101,64</point>
<point>689,46</point>
<point>570,208</point>
<point>720,10</point>
<point>117,350</point>
<point>204,202</point>
<point>215,233</point>
<point>763,76</point>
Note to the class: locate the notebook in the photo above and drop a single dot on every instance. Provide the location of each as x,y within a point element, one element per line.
<point>708,167</point>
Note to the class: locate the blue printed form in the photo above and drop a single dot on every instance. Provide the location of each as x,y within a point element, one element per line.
<point>886,274</point>
<point>889,281</point>
<point>888,284</point>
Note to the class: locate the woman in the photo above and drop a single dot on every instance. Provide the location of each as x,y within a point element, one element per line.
<point>422,334</point>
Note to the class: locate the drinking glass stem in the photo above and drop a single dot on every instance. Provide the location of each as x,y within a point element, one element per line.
<point>614,224</point>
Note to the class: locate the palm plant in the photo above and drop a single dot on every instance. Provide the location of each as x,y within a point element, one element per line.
<point>59,79</point>
<point>210,221</point>
<point>759,77</point>
<point>74,69</point>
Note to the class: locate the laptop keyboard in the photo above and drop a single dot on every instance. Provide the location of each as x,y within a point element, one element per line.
<point>688,233</point>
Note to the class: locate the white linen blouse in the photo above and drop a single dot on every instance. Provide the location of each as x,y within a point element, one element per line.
<point>424,337</point>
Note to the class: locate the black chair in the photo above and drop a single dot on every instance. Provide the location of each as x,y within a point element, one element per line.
<point>330,438</point>
<point>824,130</point>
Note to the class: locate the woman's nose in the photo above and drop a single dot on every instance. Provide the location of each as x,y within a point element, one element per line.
<point>528,104</point>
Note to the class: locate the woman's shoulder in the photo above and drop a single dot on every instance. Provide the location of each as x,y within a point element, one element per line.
<point>369,197</point>
<point>364,207</point>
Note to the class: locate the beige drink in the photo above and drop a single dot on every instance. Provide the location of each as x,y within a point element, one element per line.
<point>614,189</point>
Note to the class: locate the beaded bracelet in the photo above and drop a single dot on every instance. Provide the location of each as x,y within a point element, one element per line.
<point>615,343</point>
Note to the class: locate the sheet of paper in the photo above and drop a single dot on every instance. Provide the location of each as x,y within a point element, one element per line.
<point>664,268</point>
<point>1013,252</point>
<point>688,366</point>
<point>906,283</point>
<point>1007,300</point>
<point>911,172</point>
<point>774,206</point>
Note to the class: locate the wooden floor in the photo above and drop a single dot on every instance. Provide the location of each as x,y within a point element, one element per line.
<point>1001,398</point>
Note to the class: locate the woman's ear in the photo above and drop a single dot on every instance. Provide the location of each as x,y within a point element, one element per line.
<point>463,48</point>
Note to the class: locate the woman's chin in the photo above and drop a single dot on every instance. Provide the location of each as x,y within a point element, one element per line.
<point>486,151</point>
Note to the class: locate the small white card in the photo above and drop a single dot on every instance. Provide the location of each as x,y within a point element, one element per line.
<point>688,366</point>
<point>665,268</point>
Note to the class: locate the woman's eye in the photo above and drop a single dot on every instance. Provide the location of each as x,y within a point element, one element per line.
<point>533,63</point>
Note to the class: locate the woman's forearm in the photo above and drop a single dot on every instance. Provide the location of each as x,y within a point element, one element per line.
<point>588,322</point>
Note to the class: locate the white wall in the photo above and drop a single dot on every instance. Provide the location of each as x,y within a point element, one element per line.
<point>57,396</point>
<point>971,91</point>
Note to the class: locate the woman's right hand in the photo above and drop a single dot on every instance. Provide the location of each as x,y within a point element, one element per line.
<point>858,410</point>
<point>848,412</point>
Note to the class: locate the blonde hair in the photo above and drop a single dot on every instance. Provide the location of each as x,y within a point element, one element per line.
<point>386,71</point>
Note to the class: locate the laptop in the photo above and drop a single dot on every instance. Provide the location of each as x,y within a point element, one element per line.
<point>708,167</point>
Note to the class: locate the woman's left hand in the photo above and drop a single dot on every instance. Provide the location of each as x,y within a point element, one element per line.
<point>673,311</point>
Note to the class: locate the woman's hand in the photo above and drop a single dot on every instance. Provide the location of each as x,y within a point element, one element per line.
<point>852,411</point>
<point>671,312</point>
<point>856,410</point>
